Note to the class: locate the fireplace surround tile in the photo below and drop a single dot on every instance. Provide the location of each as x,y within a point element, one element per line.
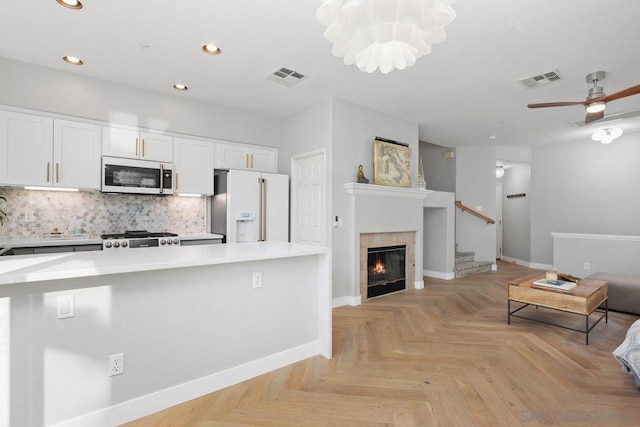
<point>376,240</point>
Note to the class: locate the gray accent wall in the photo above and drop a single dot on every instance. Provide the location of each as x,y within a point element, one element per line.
<point>516,212</point>
<point>584,187</point>
<point>439,173</point>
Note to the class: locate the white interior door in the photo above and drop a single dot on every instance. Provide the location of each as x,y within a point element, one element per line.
<point>499,220</point>
<point>308,198</point>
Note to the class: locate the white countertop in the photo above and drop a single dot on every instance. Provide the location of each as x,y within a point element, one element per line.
<point>35,268</point>
<point>28,242</point>
<point>200,236</point>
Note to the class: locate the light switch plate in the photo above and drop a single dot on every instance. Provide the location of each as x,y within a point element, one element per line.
<point>65,306</point>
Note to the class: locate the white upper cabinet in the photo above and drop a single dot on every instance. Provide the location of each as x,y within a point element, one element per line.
<point>41,151</point>
<point>76,155</point>
<point>250,157</point>
<point>132,144</point>
<point>193,162</point>
<point>26,149</point>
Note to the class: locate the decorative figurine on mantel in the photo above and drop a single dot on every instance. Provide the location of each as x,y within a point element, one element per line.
<point>420,182</point>
<point>361,178</point>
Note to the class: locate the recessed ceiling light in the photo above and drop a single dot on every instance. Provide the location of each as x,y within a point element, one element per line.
<point>71,4</point>
<point>72,60</point>
<point>211,49</point>
<point>179,86</point>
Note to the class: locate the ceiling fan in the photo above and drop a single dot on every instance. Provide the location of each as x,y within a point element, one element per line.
<point>596,101</point>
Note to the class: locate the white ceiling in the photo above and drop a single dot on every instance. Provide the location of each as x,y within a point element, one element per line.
<point>462,93</point>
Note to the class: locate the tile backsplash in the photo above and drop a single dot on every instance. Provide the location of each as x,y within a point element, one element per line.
<point>36,213</point>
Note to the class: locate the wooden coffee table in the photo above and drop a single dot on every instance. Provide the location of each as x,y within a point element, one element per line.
<point>585,299</point>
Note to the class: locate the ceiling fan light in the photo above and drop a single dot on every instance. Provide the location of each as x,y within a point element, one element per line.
<point>606,136</point>
<point>615,132</point>
<point>596,107</point>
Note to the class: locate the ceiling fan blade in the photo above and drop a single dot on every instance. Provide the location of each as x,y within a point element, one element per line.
<point>555,104</point>
<point>633,90</point>
<point>592,117</point>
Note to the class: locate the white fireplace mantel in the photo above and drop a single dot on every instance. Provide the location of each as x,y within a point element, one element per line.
<point>353,188</point>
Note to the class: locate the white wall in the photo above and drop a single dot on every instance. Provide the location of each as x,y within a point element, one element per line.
<point>516,212</point>
<point>38,88</point>
<point>598,252</point>
<point>181,338</point>
<point>476,187</point>
<point>353,130</point>
<point>584,187</point>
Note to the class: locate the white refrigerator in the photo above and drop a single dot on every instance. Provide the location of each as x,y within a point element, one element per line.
<point>250,206</point>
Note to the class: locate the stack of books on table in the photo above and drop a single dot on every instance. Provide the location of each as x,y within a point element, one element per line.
<point>559,285</point>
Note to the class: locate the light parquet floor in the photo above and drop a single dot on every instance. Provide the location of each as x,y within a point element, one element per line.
<point>442,356</point>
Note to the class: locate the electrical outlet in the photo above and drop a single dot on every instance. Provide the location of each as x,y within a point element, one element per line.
<point>587,266</point>
<point>116,364</point>
<point>65,306</point>
<point>257,279</point>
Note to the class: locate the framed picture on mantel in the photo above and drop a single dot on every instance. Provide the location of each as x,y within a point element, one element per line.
<point>391,163</point>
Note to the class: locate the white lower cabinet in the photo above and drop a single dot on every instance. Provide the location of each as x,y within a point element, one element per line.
<point>193,162</point>
<point>248,157</point>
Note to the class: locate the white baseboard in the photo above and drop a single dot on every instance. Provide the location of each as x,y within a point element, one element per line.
<point>348,300</point>
<point>154,402</point>
<point>439,274</point>
<point>527,263</point>
<point>418,284</point>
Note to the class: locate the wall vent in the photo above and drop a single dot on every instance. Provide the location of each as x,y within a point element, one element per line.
<point>540,79</point>
<point>286,77</point>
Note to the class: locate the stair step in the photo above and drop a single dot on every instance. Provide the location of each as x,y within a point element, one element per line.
<point>462,257</point>
<point>465,269</point>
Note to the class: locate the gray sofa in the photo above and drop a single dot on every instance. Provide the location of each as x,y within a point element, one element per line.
<point>624,291</point>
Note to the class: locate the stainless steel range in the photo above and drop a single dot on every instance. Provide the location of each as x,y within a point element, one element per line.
<point>139,239</point>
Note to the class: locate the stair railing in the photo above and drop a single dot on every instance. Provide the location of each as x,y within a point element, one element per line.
<point>474,212</point>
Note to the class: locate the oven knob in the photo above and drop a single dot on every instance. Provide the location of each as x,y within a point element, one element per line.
<point>116,244</point>
<point>107,244</point>
<point>125,244</point>
<point>176,241</point>
<point>163,242</point>
<point>169,242</point>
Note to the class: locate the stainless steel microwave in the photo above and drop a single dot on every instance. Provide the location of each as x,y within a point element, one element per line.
<point>136,176</point>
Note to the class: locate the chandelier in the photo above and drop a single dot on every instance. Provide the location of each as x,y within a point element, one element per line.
<point>384,34</point>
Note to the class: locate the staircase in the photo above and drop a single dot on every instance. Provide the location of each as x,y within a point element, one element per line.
<point>466,265</point>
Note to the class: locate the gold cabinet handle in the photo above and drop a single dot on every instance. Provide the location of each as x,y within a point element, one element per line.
<point>252,161</point>
<point>57,172</point>
<point>246,160</point>
<point>177,180</point>
<point>48,170</point>
<point>143,148</point>
<point>136,146</point>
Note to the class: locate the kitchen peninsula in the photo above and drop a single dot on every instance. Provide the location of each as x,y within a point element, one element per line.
<point>189,321</point>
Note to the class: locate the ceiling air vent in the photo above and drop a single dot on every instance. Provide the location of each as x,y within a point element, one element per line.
<point>286,77</point>
<point>540,79</point>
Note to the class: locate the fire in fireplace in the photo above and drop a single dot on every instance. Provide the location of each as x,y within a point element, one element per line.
<point>386,270</point>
